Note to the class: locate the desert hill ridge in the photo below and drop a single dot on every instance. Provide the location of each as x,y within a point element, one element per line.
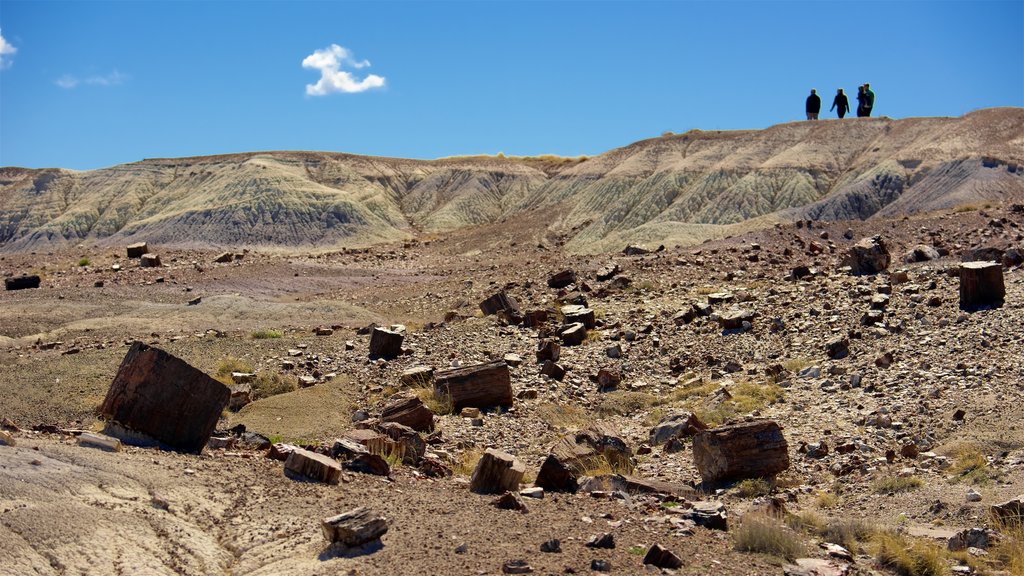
<point>675,189</point>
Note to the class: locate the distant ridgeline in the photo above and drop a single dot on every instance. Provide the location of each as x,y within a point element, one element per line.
<point>676,189</point>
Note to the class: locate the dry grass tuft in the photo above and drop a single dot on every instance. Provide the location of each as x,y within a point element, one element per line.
<point>229,364</point>
<point>468,461</point>
<point>438,402</point>
<point>269,384</point>
<point>266,334</point>
<point>567,416</point>
<point>896,484</point>
<point>753,487</point>
<point>761,533</point>
<point>909,558</point>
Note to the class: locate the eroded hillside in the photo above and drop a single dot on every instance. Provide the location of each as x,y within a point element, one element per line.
<point>676,189</point>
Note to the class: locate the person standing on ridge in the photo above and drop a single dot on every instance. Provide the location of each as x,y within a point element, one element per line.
<point>869,101</point>
<point>840,103</point>
<point>862,102</point>
<point>813,105</point>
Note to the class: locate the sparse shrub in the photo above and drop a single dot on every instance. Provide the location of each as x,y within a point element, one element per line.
<point>749,395</point>
<point>83,262</point>
<point>625,402</point>
<point>229,364</point>
<point>826,500</point>
<point>266,334</point>
<point>848,533</point>
<point>637,550</point>
<point>753,487</point>
<point>970,465</point>
<point>797,364</point>
<point>563,415</point>
<point>439,403</point>
<point>908,558</point>
<point>468,461</point>
<point>1009,549</point>
<point>761,533</point>
<point>269,384</point>
<point>807,521</point>
<point>896,484</point>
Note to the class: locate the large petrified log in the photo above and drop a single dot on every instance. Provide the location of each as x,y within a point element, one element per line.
<point>355,527</point>
<point>500,302</point>
<point>736,451</point>
<point>409,411</point>
<point>313,466</point>
<point>165,398</point>
<point>981,285</point>
<point>869,256</point>
<point>137,250</point>
<point>478,386</point>
<point>385,343</point>
<point>21,282</point>
<point>496,472</point>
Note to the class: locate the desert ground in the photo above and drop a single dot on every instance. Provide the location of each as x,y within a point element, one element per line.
<point>938,388</point>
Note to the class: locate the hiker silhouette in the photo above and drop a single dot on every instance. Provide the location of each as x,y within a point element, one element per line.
<point>840,103</point>
<point>813,105</point>
<point>862,102</point>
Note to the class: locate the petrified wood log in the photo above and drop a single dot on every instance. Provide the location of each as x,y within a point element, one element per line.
<point>314,466</point>
<point>500,302</point>
<point>496,472</point>
<point>409,411</point>
<point>21,282</point>
<point>746,450</point>
<point>478,386</point>
<point>165,398</point>
<point>981,284</point>
<point>355,527</point>
<point>385,343</point>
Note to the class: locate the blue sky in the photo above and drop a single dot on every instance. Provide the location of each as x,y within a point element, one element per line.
<point>92,84</point>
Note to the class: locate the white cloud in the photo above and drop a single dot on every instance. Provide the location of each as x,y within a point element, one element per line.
<point>6,50</point>
<point>332,78</point>
<point>69,81</point>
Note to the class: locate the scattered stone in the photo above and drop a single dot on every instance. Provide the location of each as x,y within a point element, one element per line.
<point>417,376</point>
<point>552,370</point>
<point>556,476</point>
<point>496,472</point>
<point>367,463</point>
<point>736,319</point>
<point>921,253</point>
<point>280,451</point>
<point>973,495</point>
<point>838,348</point>
<point>137,250</point>
<point>600,565</point>
<point>548,350</point>
<point>608,272</point>
<point>754,449</point>
<point>1009,511</point>
<point>355,527</point>
<point>241,396</point>
<point>224,257</point>
<point>313,466</point>
<point>470,412</point>
<point>150,261</point>
<point>500,302</point>
<point>605,540</point>
<point>562,279</point>
<point>516,567</point>
<point>6,438</point>
<point>574,313</point>
<point>970,538</point>
<point>323,331</point>
<point>509,501</point>
<point>410,411</point>
<point>101,441</point>
<point>163,397</point>
<point>662,558</point>
<point>552,546</point>
<point>683,425</point>
<point>385,343</point>
<point>481,385</point>
<point>711,515</point>
<point>868,256</point>
<point>608,379</point>
<point>22,282</point>
<point>513,360</point>
<point>574,334</point>
<point>536,493</point>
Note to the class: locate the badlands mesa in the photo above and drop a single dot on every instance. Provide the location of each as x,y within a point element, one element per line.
<point>797,350</point>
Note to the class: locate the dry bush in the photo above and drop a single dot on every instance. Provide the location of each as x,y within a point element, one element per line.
<point>266,334</point>
<point>438,402</point>
<point>1009,549</point>
<point>753,487</point>
<point>269,384</point>
<point>909,558</point>
<point>896,484</point>
<point>625,402</point>
<point>229,364</point>
<point>848,533</point>
<point>567,416</point>
<point>468,461</point>
<point>761,533</point>
<point>970,465</point>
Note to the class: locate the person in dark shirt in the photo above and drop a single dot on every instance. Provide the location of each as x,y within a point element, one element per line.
<point>862,102</point>
<point>813,105</point>
<point>840,103</point>
<point>869,102</point>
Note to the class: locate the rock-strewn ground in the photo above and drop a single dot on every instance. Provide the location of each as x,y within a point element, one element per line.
<point>925,377</point>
